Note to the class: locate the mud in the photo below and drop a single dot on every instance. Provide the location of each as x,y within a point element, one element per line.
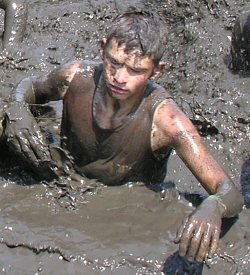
<point>48,229</point>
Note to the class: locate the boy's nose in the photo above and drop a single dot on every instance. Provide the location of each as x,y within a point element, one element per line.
<point>121,75</point>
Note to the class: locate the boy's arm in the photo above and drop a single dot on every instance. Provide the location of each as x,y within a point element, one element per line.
<point>19,128</point>
<point>42,89</point>
<point>199,234</point>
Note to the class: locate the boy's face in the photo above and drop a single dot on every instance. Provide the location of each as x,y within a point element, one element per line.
<point>126,74</point>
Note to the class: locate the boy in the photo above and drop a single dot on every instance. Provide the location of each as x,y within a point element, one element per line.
<point>120,126</point>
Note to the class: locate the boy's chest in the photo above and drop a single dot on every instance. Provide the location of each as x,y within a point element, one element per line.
<point>87,139</point>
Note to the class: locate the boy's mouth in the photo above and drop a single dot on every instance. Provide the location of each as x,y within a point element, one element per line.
<point>117,89</point>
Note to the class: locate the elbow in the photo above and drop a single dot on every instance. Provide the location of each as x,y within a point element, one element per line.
<point>24,91</point>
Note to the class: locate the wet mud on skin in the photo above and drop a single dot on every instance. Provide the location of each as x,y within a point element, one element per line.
<point>128,230</point>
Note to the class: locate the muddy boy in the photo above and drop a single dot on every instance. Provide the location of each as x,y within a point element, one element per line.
<point>119,125</point>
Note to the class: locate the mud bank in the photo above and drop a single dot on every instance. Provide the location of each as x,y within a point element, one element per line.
<point>128,230</point>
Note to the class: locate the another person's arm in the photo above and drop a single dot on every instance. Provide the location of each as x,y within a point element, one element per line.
<point>14,22</point>
<point>200,233</point>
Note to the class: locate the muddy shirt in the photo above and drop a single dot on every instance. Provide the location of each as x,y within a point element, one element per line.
<point>113,156</point>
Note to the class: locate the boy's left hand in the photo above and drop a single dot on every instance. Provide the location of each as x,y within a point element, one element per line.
<point>198,236</point>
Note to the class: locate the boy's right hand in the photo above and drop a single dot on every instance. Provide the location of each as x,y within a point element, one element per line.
<point>25,139</point>
<point>23,135</point>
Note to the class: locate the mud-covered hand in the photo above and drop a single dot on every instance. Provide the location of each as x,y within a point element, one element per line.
<point>23,134</point>
<point>198,237</point>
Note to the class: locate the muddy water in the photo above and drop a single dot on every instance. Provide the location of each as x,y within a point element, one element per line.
<point>128,229</point>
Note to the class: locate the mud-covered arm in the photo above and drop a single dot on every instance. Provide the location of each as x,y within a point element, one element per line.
<point>15,21</point>
<point>174,129</point>
<point>36,90</point>
<point>200,233</point>
<point>19,128</point>
<point>42,89</point>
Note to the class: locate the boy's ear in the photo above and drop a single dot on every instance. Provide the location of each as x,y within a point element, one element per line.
<point>158,70</point>
<point>103,43</point>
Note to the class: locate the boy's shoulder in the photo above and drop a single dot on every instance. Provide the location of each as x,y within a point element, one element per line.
<point>157,91</point>
<point>86,68</point>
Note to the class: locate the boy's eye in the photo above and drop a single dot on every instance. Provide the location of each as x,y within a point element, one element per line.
<point>114,63</point>
<point>136,71</point>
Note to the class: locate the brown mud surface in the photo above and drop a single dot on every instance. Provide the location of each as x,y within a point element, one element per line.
<point>128,229</point>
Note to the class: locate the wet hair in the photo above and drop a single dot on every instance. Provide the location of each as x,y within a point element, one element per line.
<point>140,30</point>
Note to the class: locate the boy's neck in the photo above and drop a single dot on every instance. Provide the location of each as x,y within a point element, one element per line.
<point>122,107</point>
<point>111,111</point>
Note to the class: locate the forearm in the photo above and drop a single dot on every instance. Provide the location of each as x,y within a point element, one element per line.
<point>50,87</point>
<point>33,90</point>
<point>216,182</point>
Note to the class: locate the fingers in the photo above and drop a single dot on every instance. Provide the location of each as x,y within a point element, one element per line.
<point>209,243</point>
<point>28,149</point>
<point>197,240</point>
<point>38,146</point>
<point>21,145</point>
<point>204,244</point>
<point>180,231</point>
<point>185,235</point>
<point>195,243</point>
<point>30,146</point>
<point>214,243</point>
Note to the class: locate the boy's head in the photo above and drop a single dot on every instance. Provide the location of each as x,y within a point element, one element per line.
<point>140,31</point>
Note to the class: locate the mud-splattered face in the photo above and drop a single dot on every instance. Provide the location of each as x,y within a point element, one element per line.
<point>126,74</point>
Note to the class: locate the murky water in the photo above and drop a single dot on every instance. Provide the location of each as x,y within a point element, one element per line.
<point>129,230</point>
<point>118,230</point>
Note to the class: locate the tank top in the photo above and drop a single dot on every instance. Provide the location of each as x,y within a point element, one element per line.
<point>113,156</point>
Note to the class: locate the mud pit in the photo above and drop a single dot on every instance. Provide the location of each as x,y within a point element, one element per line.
<point>128,230</point>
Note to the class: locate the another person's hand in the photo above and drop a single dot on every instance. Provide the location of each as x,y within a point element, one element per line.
<point>15,20</point>
<point>198,237</point>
